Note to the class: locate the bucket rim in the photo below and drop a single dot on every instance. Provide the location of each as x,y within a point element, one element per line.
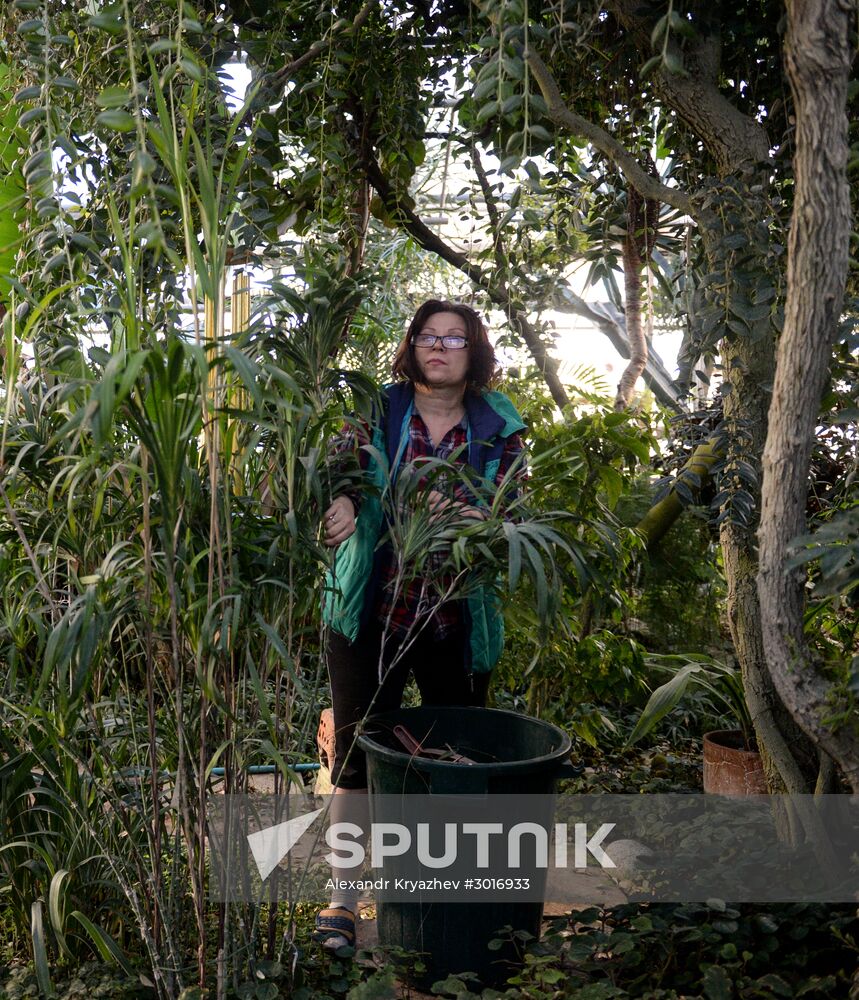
<point>556,756</point>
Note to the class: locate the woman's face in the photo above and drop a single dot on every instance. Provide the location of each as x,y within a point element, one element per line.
<point>440,366</point>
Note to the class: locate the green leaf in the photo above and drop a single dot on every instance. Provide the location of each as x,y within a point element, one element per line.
<point>37,161</point>
<point>513,66</point>
<point>113,97</point>
<point>682,26</point>
<point>658,32</point>
<point>33,115</point>
<point>119,121</point>
<point>514,557</point>
<point>84,242</point>
<point>54,263</point>
<point>192,69</point>
<point>674,64</point>
<point>817,986</point>
<point>27,94</point>
<point>734,241</point>
<point>552,976</point>
<point>67,146</point>
<point>514,145</point>
<point>511,104</point>
<point>651,65</point>
<point>485,87</point>
<point>717,985</point>
<point>55,910</point>
<point>31,26</point>
<point>663,700</point>
<point>40,951</point>
<point>380,986</point>
<point>110,20</point>
<point>612,482</point>
<point>106,946</point>
<point>776,985</point>
<point>162,45</point>
<point>487,111</point>
<point>540,133</point>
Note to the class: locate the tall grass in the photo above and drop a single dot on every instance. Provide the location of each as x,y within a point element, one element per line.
<point>160,501</point>
<point>161,488</point>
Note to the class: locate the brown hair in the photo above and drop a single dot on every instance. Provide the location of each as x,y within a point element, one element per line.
<point>481,356</point>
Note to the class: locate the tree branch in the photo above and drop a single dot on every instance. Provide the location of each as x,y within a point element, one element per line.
<point>516,314</point>
<point>611,323</point>
<point>342,26</point>
<point>733,139</point>
<point>646,185</point>
<point>494,216</point>
<point>632,308</point>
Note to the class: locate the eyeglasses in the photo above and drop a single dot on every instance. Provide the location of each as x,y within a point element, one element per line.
<point>452,342</point>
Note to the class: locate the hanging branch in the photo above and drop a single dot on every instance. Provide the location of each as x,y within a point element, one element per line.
<point>644,183</point>
<point>516,315</point>
<point>277,78</point>
<point>642,216</point>
<point>340,27</point>
<point>501,261</point>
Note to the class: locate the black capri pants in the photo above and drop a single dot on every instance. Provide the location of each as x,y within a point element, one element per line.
<point>353,669</point>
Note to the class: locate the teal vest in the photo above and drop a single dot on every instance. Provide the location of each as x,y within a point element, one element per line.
<point>350,586</point>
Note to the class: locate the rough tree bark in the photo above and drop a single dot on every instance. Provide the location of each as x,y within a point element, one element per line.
<point>632,309</point>
<point>818,57</point>
<point>732,138</point>
<point>790,764</point>
<point>789,758</point>
<point>642,217</point>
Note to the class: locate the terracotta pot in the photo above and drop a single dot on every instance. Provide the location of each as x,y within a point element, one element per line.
<point>729,768</point>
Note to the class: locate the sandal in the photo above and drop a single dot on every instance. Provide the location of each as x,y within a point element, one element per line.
<point>335,928</point>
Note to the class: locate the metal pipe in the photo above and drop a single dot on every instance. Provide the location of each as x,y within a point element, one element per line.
<point>269,768</point>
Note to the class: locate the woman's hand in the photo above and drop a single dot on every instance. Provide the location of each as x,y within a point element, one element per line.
<point>438,503</point>
<point>339,521</point>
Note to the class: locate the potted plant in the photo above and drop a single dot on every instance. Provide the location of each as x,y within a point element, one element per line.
<point>732,764</point>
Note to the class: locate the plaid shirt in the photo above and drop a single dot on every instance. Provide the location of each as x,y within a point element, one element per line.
<point>414,599</point>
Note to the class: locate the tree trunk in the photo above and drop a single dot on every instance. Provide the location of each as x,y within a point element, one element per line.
<point>632,307</point>
<point>818,59</point>
<point>662,515</point>
<point>790,762</point>
<point>642,218</point>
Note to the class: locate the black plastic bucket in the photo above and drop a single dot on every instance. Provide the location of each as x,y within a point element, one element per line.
<point>513,754</point>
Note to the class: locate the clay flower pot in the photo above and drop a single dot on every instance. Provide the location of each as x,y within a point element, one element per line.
<point>729,767</point>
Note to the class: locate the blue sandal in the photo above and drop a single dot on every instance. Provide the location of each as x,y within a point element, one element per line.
<point>335,928</point>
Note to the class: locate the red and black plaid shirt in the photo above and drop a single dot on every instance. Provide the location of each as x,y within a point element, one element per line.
<point>415,599</point>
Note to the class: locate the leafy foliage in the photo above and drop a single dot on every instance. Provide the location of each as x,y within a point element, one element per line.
<point>162,481</point>
<point>721,683</point>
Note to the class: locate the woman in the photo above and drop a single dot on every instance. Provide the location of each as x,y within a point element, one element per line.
<point>440,408</point>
